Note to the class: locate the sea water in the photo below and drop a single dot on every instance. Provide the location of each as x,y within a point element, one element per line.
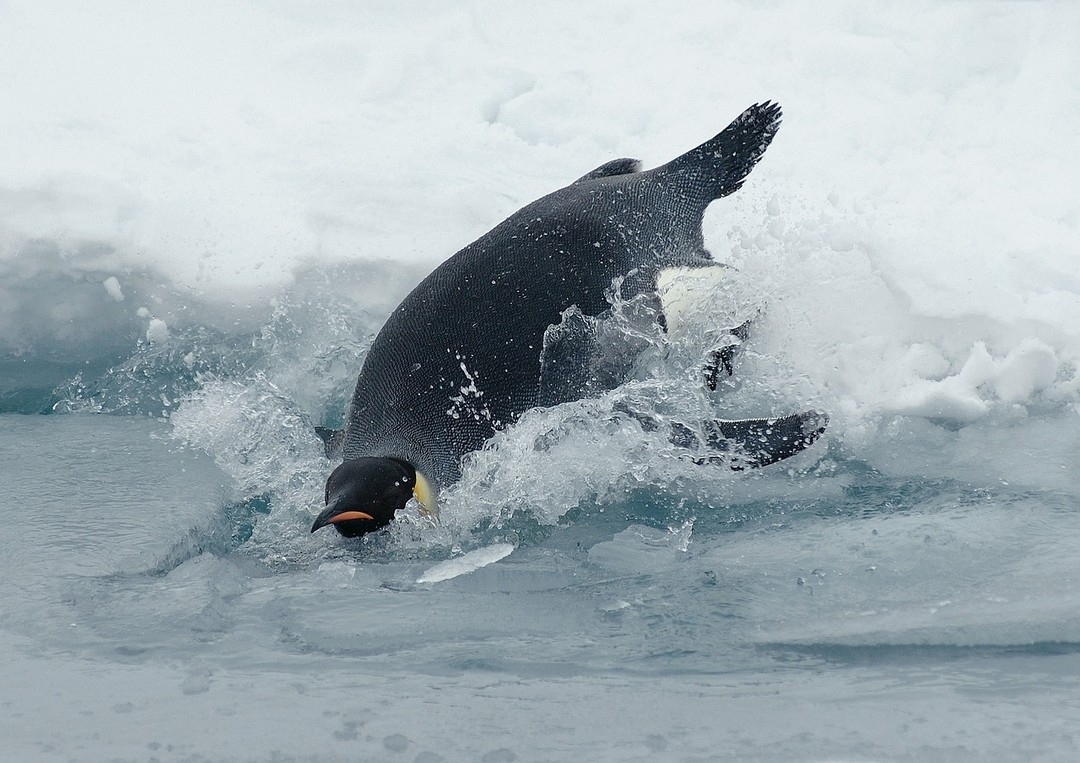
<point>205,216</point>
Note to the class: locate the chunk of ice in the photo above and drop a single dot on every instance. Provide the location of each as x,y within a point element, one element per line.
<point>467,563</point>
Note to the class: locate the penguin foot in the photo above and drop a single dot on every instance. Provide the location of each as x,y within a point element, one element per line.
<point>721,362</point>
<point>751,443</point>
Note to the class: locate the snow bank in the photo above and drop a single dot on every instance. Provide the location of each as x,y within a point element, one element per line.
<point>913,232</point>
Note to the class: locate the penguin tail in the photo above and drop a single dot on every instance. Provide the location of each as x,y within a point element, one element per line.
<point>719,166</point>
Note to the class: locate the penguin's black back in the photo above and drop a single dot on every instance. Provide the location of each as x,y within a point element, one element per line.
<point>460,357</point>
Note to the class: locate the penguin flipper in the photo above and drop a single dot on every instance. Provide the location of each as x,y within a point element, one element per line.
<point>719,166</point>
<point>749,443</point>
<point>586,355</point>
<point>624,166</point>
<point>333,441</point>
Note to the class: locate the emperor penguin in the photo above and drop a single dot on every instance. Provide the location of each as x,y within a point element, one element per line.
<point>509,323</point>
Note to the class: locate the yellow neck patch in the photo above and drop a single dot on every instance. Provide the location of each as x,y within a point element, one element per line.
<point>425,495</point>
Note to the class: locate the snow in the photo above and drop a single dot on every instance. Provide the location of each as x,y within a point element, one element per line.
<point>920,190</point>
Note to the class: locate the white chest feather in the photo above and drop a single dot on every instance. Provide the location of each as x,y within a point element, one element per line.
<point>685,291</point>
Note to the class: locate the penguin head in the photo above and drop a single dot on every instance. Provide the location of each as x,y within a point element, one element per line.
<point>364,493</point>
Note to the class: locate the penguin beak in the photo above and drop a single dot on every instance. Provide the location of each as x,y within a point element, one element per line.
<point>333,514</point>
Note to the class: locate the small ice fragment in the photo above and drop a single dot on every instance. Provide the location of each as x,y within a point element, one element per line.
<point>157,331</point>
<point>682,535</point>
<point>466,563</point>
<point>801,581</point>
<point>112,286</point>
<point>339,572</point>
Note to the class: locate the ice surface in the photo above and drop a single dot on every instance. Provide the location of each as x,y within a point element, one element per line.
<point>206,212</point>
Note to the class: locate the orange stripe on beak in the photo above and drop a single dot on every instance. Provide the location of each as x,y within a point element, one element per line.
<point>347,515</point>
